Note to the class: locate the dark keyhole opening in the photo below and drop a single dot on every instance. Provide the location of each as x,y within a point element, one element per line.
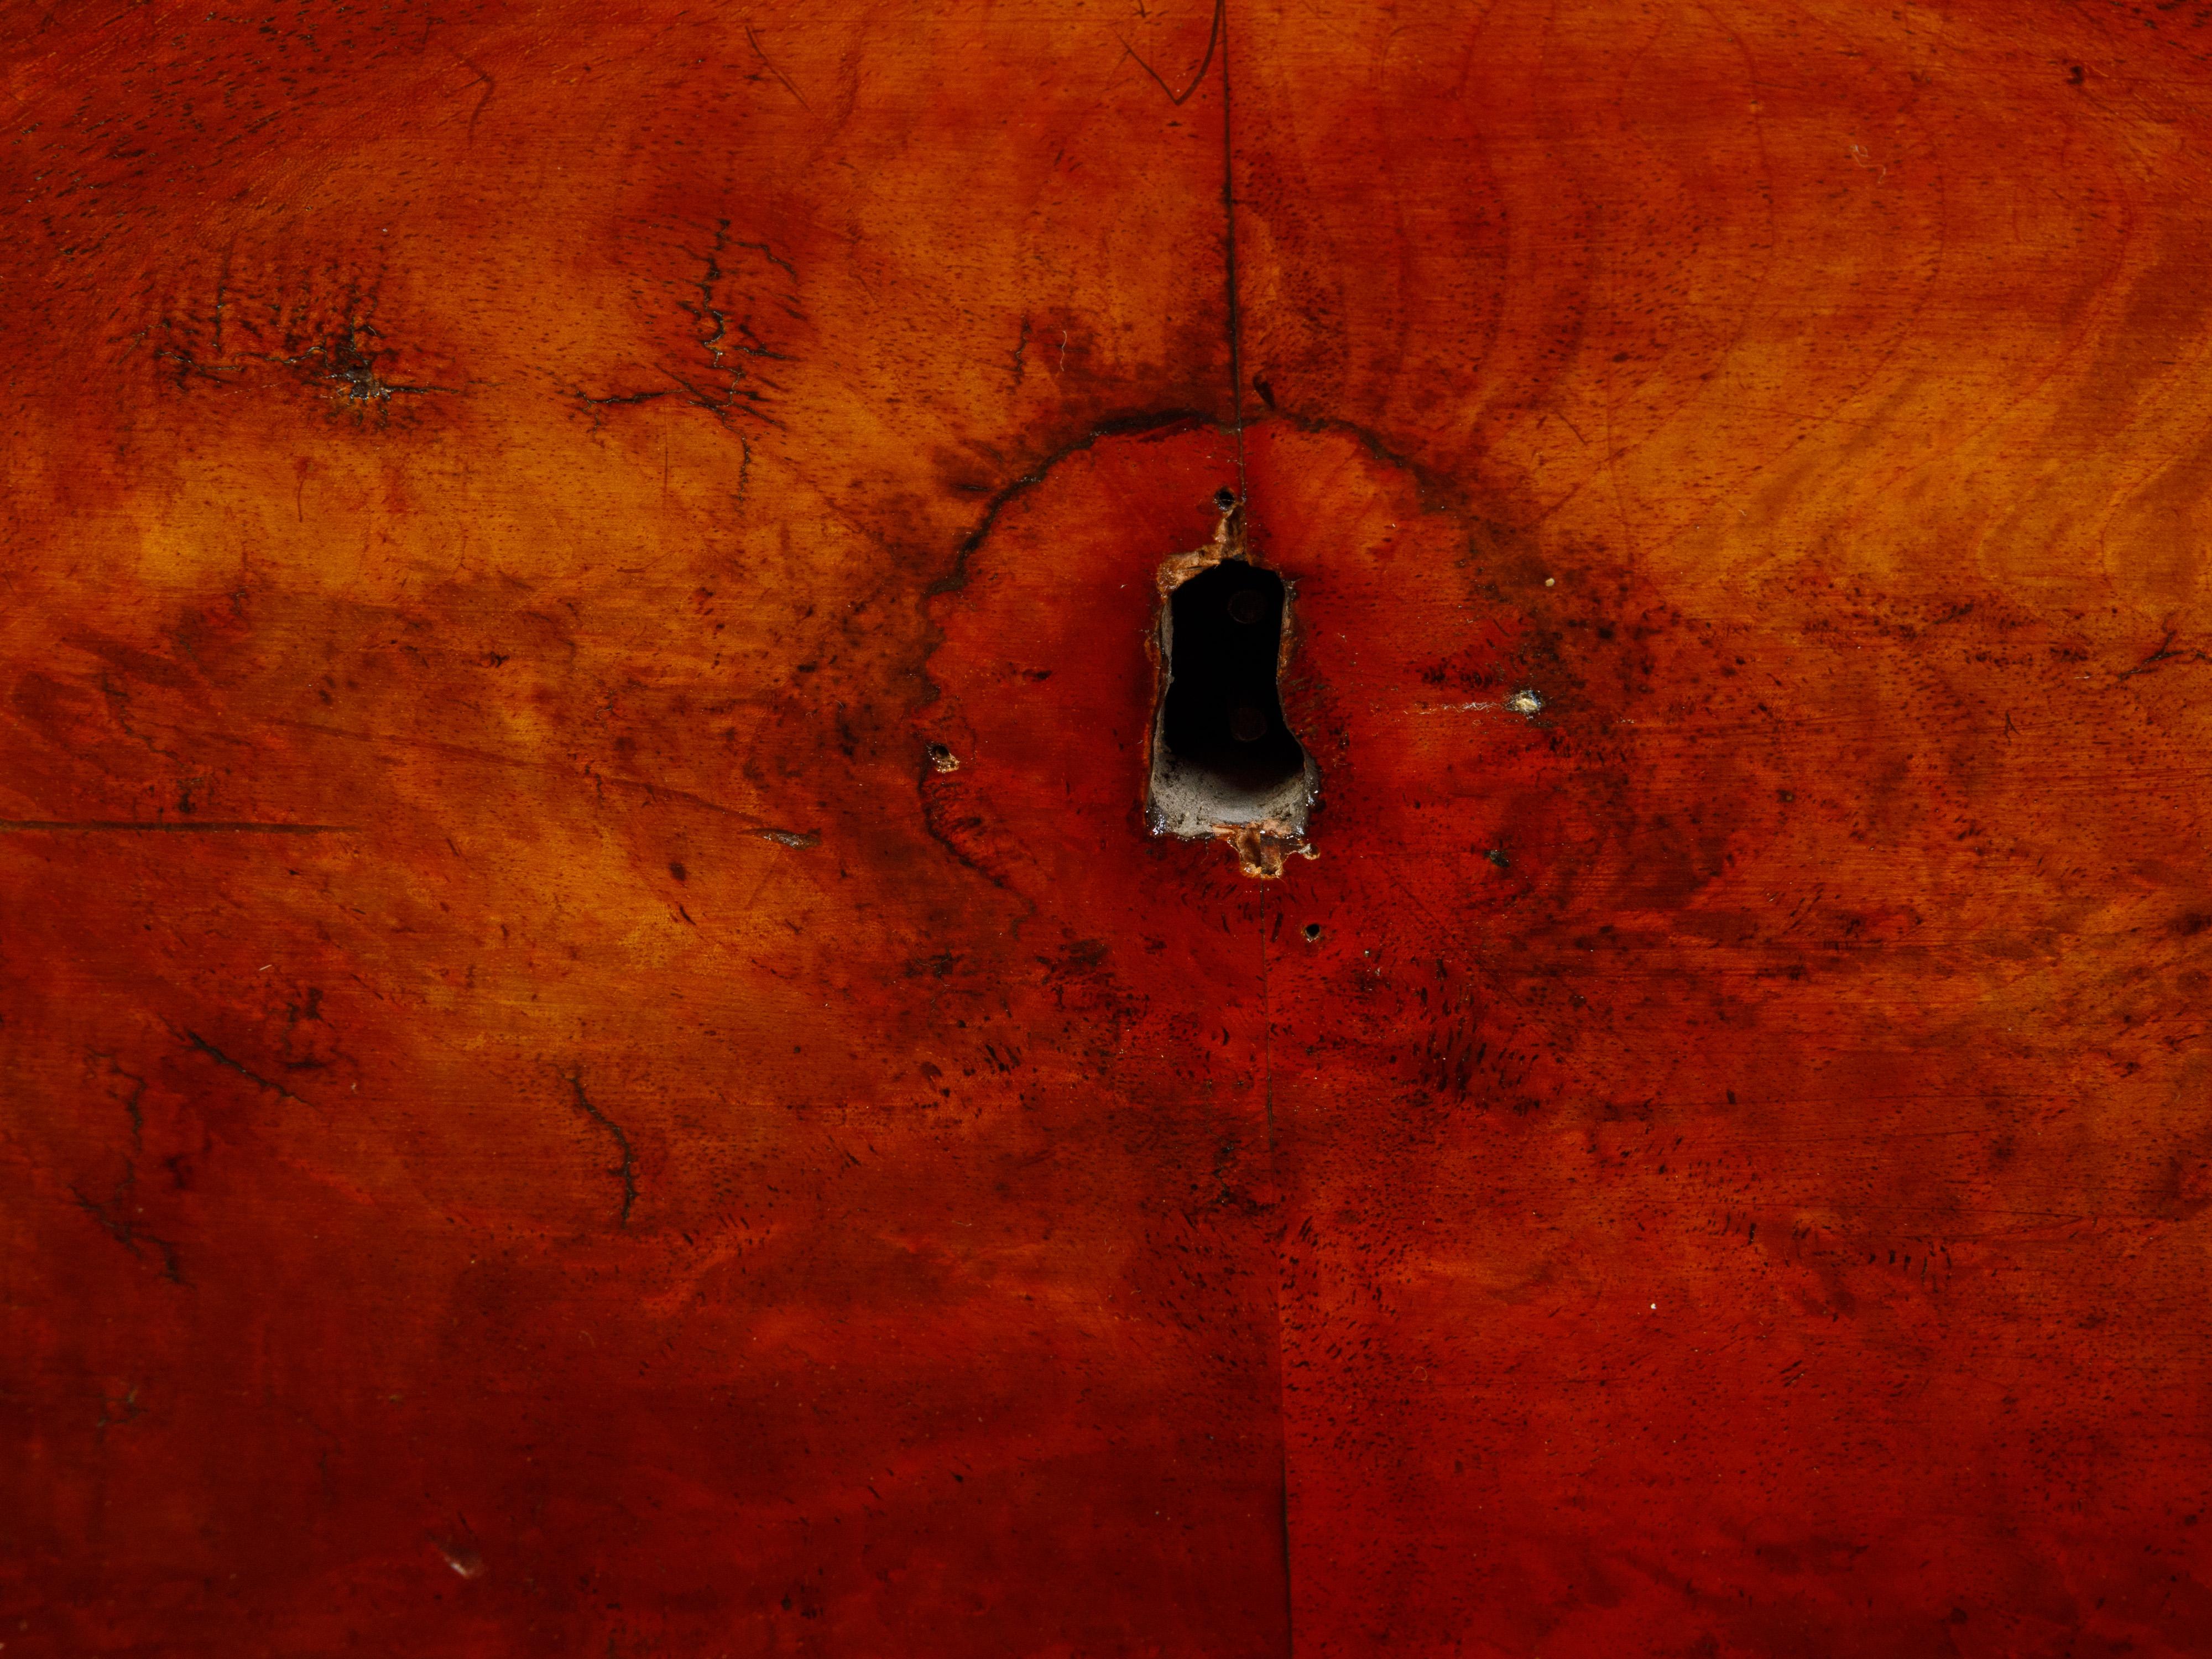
<point>1222,722</point>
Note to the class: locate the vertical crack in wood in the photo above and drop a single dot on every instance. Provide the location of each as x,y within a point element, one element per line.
<point>1254,857</point>
<point>1229,249</point>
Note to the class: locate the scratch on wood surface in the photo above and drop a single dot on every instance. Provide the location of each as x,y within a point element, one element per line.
<point>489,86</point>
<point>626,1170</point>
<point>1213,42</point>
<point>204,1046</point>
<point>66,826</point>
<point>753,40</point>
<point>118,1217</point>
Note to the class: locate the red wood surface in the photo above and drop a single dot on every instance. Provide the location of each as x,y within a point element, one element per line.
<point>537,1120</point>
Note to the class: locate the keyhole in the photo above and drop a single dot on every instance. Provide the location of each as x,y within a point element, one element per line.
<point>1224,754</point>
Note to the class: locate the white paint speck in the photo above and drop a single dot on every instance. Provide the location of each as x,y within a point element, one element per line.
<point>468,1564</point>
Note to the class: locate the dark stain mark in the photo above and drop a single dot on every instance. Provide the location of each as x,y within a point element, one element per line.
<point>620,398</point>
<point>714,337</point>
<point>188,367</point>
<point>2166,652</point>
<point>126,1409</point>
<point>344,361</point>
<point>114,1219</point>
<point>627,1170</point>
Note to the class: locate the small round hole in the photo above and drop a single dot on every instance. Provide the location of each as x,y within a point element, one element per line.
<point>1313,932</point>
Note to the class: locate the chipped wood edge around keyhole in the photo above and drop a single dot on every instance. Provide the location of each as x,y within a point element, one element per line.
<point>1264,827</point>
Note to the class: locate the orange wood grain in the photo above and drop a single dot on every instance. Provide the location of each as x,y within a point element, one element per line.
<point>540,1120</point>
